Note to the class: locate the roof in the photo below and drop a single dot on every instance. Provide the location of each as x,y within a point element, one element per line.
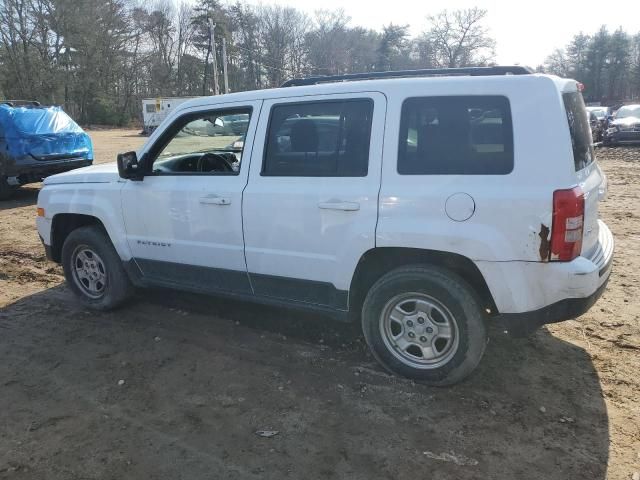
<point>385,86</point>
<point>424,72</point>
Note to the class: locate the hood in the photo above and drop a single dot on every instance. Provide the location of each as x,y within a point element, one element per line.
<point>105,173</point>
<point>626,121</point>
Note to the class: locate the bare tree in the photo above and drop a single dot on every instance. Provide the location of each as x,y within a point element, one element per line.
<point>101,59</point>
<point>458,38</point>
<point>326,42</point>
<point>184,42</point>
<point>393,47</point>
<point>558,63</point>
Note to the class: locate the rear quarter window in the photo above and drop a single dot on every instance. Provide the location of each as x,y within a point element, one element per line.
<point>579,129</point>
<point>456,135</point>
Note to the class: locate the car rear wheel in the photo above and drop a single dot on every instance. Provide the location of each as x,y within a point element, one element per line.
<point>6,190</point>
<point>425,323</point>
<point>93,269</point>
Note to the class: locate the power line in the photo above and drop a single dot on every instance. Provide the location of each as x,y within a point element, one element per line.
<point>284,70</point>
<point>261,57</point>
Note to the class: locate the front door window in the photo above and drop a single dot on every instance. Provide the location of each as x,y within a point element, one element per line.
<point>209,143</point>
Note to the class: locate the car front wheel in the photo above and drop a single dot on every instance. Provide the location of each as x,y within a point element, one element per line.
<point>425,323</point>
<point>93,269</point>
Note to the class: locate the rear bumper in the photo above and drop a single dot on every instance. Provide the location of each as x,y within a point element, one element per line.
<point>537,293</point>
<point>526,322</point>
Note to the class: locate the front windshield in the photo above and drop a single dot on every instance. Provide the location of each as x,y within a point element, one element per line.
<point>631,111</point>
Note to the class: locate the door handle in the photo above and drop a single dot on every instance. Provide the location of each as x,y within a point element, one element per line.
<point>214,199</point>
<point>339,205</point>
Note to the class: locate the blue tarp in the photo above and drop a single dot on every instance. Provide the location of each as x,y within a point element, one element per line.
<point>43,132</point>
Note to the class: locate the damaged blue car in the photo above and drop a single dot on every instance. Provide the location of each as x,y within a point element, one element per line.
<point>38,141</point>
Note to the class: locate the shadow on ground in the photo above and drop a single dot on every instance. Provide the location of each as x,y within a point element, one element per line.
<point>22,197</point>
<point>201,376</point>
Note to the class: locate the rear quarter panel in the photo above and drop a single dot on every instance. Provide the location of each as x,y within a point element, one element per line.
<point>512,217</point>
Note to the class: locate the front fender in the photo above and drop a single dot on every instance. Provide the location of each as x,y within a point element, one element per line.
<point>99,200</point>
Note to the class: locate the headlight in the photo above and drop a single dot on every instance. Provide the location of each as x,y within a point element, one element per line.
<point>611,130</point>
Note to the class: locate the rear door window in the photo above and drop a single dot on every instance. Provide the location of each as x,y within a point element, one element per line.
<point>319,139</point>
<point>580,130</point>
<point>456,135</point>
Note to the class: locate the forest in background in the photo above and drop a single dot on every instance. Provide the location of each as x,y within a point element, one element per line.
<point>99,58</point>
<point>607,63</point>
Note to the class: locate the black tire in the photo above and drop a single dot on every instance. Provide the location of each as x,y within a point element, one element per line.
<point>6,190</point>
<point>117,287</point>
<point>457,310</point>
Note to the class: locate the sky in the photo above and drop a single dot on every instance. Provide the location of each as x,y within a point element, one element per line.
<point>526,32</point>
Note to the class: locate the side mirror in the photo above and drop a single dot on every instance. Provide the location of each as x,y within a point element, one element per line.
<point>218,122</point>
<point>128,166</point>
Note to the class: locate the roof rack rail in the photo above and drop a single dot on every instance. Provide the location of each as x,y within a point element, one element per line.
<point>26,103</point>
<point>427,72</point>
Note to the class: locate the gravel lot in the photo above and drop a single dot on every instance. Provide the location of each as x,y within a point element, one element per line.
<point>175,386</point>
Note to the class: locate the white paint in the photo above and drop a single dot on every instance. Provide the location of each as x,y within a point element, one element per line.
<point>289,231</point>
<point>289,226</point>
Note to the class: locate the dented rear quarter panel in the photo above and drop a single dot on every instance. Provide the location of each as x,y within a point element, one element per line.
<point>513,212</point>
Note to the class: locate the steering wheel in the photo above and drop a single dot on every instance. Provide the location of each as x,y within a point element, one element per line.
<point>217,163</point>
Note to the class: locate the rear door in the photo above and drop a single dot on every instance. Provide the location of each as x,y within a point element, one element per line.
<point>589,176</point>
<point>310,207</point>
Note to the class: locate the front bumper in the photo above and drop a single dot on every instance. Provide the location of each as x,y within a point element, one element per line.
<point>624,136</point>
<point>48,251</point>
<point>27,169</point>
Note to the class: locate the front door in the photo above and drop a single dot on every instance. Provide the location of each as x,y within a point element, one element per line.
<point>184,219</point>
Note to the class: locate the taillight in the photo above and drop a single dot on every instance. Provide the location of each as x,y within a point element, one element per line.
<point>568,220</point>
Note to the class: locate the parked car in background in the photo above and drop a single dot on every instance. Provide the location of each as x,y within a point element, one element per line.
<point>602,113</point>
<point>597,127</point>
<point>625,126</point>
<point>422,205</point>
<point>38,141</point>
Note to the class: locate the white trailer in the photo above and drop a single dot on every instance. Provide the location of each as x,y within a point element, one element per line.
<point>155,110</point>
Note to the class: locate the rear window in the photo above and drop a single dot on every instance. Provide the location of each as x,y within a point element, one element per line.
<point>580,130</point>
<point>461,135</point>
<point>42,121</point>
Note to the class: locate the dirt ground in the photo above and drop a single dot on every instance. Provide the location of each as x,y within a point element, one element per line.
<point>175,386</point>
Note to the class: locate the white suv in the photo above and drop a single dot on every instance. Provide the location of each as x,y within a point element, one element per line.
<point>426,206</point>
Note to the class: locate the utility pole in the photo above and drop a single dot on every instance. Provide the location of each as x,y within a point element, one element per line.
<point>216,88</point>
<point>205,79</point>
<point>224,64</point>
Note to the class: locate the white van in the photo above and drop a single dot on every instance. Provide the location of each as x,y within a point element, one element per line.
<point>424,204</point>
